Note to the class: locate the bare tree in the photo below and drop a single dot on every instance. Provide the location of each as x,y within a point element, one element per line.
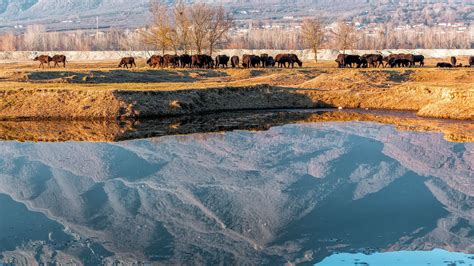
<point>221,23</point>
<point>313,35</point>
<point>345,37</point>
<point>209,26</point>
<point>183,26</point>
<point>8,42</point>
<point>160,33</point>
<point>201,18</point>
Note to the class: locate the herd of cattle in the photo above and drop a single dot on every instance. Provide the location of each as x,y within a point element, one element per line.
<point>206,61</point>
<point>265,60</point>
<point>393,60</point>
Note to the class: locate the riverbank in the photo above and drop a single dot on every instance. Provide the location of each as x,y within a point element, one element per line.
<point>107,93</point>
<point>114,131</point>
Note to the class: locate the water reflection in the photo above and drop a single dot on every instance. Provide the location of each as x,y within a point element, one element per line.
<point>295,193</point>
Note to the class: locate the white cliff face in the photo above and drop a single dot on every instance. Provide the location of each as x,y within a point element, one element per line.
<point>232,196</point>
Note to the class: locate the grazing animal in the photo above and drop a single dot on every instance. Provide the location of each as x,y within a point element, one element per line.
<point>270,61</point>
<point>222,60</point>
<point>202,61</point>
<point>234,61</point>
<point>401,58</point>
<point>155,61</point>
<point>127,61</point>
<point>59,59</point>
<point>453,60</point>
<point>185,60</point>
<point>282,60</point>
<point>419,59</point>
<point>264,60</point>
<point>398,62</point>
<point>345,60</point>
<point>246,61</point>
<point>374,60</point>
<point>208,61</point>
<point>444,64</point>
<point>249,61</point>
<point>256,60</point>
<point>364,63</point>
<point>290,59</point>
<point>471,61</point>
<point>340,60</point>
<point>196,61</point>
<point>170,60</point>
<point>43,59</point>
<point>294,59</point>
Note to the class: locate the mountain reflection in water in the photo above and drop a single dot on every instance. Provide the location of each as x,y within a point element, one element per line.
<point>295,193</point>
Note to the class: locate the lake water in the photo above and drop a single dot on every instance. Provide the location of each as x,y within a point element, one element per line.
<point>335,193</point>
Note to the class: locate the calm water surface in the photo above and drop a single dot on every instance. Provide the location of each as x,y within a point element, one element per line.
<point>347,193</point>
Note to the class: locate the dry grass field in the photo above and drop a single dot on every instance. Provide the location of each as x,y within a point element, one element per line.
<point>321,75</point>
<point>433,92</point>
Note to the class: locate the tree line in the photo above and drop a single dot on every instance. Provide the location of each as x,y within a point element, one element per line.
<point>202,28</point>
<point>197,27</point>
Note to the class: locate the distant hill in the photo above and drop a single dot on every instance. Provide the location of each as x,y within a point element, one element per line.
<point>71,14</point>
<point>83,14</point>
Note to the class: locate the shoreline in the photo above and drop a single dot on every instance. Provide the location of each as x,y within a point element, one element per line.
<point>115,131</point>
<point>80,104</point>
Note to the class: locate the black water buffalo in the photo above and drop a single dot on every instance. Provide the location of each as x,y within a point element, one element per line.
<point>222,60</point>
<point>282,60</point>
<point>208,61</point>
<point>43,59</point>
<point>270,61</point>
<point>294,59</point>
<point>444,65</point>
<point>374,60</point>
<point>347,60</point>
<point>155,61</point>
<point>170,60</point>
<point>234,61</point>
<point>249,61</point>
<point>196,61</point>
<point>185,60</point>
<point>290,59</point>
<point>398,62</point>
<point>471,61</point>
<point>264,60</point>
<point>124,62</point>
<point>340,60</point>
<point>419,59</point>
<point>202,61</point>
<point>59,59</point>
<point>401,58</point>
<point>453,60</point>
<point>363,62</point>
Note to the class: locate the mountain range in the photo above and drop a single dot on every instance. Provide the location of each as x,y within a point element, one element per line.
<point>90,14</point>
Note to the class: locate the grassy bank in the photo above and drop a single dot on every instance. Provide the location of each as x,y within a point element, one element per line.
<point>98,90</point>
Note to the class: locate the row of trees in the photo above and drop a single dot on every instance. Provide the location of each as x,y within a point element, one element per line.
<point>202,28</point>
<point>196,27</point>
